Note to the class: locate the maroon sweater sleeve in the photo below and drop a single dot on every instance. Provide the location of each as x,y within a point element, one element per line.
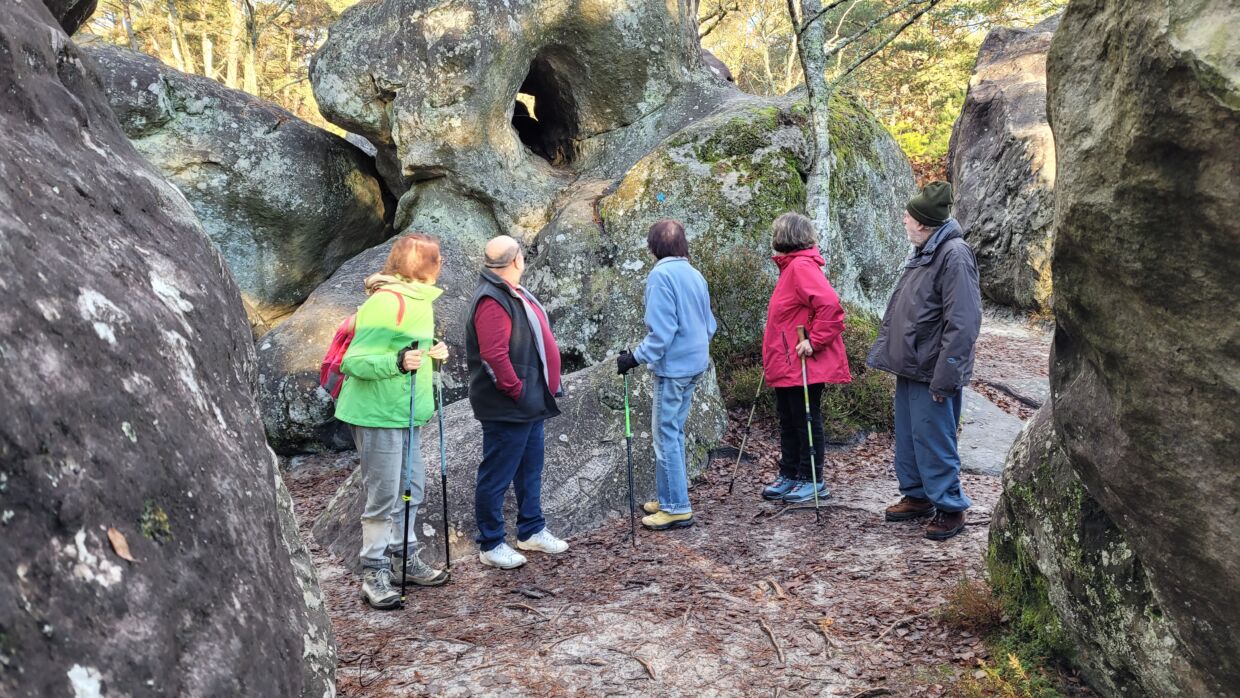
<point>494,329</point>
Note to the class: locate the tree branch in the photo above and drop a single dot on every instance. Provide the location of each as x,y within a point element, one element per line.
<point>716,18</point>
<point>836,48</point>
<point>818,15</point>
<point>838,80</point>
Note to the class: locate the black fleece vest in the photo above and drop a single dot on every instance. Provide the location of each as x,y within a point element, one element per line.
<point>489,404</point>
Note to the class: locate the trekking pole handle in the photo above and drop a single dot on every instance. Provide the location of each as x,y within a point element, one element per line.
<point>801,333</point>
<point>628,429</point>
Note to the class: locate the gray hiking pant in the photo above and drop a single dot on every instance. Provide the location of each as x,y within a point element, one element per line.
<point>382,452</point>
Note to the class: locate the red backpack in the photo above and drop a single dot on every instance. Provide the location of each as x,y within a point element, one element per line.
<point>330,376</point>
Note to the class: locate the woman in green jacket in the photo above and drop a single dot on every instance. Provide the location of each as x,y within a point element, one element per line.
<point>391,342</point>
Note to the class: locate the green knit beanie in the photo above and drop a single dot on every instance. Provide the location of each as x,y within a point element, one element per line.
<point>933,206</point>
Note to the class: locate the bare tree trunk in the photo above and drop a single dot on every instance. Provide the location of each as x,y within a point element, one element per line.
<point>810,49</point>
<point>288,62</point>
<point>127,20</point>
<point>180,49</point>
<point>251,48</point>
<point>208,46</point>
<point>766,67</point>
<point>790,62</point>
<point>235,24</point>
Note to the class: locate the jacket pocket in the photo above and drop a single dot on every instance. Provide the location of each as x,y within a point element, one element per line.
<point>783,337</point>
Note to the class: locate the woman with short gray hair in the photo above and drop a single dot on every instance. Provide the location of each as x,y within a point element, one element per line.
<point>802,298</point>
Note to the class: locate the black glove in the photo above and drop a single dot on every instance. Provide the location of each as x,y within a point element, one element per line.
<point>400,357</point>
<point>625,362</point>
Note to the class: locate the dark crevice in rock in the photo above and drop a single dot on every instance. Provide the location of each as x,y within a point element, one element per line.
<point>546,116</point>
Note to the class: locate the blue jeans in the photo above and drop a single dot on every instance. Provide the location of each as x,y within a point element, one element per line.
<point>512,454</point>
<point>927,460</point>
<point>672,398</point>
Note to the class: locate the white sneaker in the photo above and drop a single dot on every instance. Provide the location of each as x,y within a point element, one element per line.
<point>502,556</point>
<point>543,541</point>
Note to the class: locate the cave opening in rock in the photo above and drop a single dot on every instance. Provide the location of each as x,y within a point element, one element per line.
<point>545,112</point>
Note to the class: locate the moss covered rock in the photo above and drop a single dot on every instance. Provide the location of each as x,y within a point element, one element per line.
<point>726,177</point>
<point>286,202</point>
<point>1072,583</point>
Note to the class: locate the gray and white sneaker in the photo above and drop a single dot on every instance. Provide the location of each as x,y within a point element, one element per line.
<point>502,556</point>
<point>377,588</point>
<point>418,571</point>
<point>543,541</point>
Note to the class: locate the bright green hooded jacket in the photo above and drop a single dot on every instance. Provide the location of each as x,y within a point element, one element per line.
<point>375,393</point>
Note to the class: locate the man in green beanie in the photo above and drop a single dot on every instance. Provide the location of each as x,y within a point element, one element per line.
<point>927,339</point>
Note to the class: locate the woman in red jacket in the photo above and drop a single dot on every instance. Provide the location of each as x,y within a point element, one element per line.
<point>802,297</point>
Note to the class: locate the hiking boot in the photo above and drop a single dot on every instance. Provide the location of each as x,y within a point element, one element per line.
<point>377,588</point>
<point>804,492</point>
<point>661,521</point>
<point>417,572</point>
<point>651,507</point>
<point>502,556</point>
<point>945,525</point>
<point>777,490</point>
<point>909,508</point>
<point>543,542</point>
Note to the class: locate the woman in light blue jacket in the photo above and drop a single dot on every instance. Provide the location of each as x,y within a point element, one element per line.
<point>677,350</point>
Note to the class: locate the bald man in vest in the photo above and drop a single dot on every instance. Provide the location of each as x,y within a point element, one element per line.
<point>514,378</point>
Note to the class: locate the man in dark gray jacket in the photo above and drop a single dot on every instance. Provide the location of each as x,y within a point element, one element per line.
<point>927,340</point>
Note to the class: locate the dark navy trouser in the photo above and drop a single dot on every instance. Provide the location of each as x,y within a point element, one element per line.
<point>927,459</point>
<point>512,453</point>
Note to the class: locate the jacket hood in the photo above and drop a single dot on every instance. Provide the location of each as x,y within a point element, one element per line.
<point>414,290</point>
<point>783,260</point>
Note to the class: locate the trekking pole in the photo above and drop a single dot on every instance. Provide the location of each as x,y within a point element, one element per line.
<point>809,427</point>
<point>761,382</point>
<point>443,467</point>
<point>407,474</point>
<point>628,445</point>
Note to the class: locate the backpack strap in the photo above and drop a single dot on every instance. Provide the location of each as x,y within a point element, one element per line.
<point>400,311</point>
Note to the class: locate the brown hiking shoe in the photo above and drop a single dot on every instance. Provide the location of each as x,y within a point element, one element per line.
<point>945,525</point>
<point>909,508</point>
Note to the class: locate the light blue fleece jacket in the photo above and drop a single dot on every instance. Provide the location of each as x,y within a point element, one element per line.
<point>678,319</point>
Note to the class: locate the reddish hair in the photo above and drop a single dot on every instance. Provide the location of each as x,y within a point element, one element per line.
<point>415,257</point>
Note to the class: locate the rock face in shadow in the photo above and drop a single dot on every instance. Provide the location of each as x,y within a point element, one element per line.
<point>1145,103</point>
<point>585,477</point>
<point>71,14</point>
<point>286,202</point>
<point>130,429</point>
<point>1002,162</point>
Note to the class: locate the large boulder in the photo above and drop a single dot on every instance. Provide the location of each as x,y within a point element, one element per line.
<point>1072,576</point>
<point>286,202</point>
<point>1145,102</point>
<point>1001,160</point>
<point>726,177</point>
<point>149,547</point>
<point>298,414</point>
<point>585,476</point>
<point>71,14</point>
<point>435,85</point>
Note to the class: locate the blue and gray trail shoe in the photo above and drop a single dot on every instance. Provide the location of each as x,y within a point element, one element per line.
<point>804,492</point>
<point>777,490</point>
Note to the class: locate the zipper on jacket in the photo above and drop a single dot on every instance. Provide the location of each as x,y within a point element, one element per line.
<point>787,357</point>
